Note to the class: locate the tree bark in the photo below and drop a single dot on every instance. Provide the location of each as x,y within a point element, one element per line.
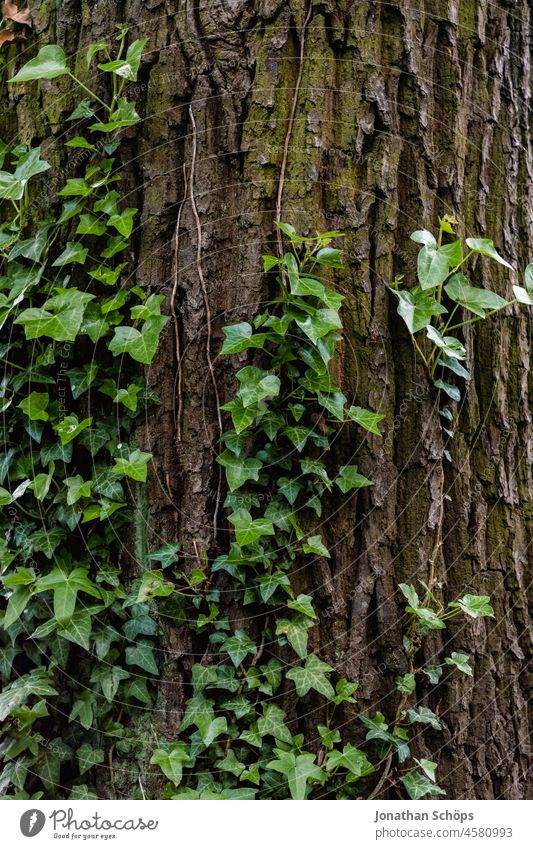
<point>403,111</point>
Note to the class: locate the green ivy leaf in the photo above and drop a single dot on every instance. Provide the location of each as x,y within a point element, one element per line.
<point>418,785</point>
<point>460,661</point>
<point>141,345</point>
<point>312,676</point>
<point>351,759</point>
<point>49,63</point>
<point>476,300</point>
<point>154,584</point>
<point>167,555</point>
<point>74,252</point>
<point>171,762</point>
<point>424,716</point>
<point>366,419</point>
<point>142,655</point>
<point>238,646</point>
<point>248,530</point>
<point>349,478</point>
<point>314,545</point>
<point>89,757</point>
<point>70,428</point>
<point>135,466</point>
<point>417,308</point>
<point>239,337</point>
<point>406,683</point>
<point>432,267</point>
<point>296,632</point>
<point>35,405</point>
<point>128,67</point>
<point>303,604</point>
<point>486,248</point>
<point>272,723</point>
<point>239,470</point>
<point>475,606</point>
<point>298,770</point>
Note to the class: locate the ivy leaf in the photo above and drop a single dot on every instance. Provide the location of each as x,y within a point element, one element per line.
<point>109,678</point>
<point>297,769</point>
<point>406,683</point>
<point>125,115</point>
<point>432,267</point>
<point>77,488</point>
<point>167,554</point>
<point>475,606</point>
<point>242,416</point>
<point>314,545</point>
<point>128,67</point>
<point>424,237</point>
<point>349,478</point>
<point>141,345</point>
<point>171,762</point>
<point>312,676</point>
<point>351,759</point>
<point>70,428</point>
<point>424,716</point>
<point>377,728</point>
<point>60,317</point>
<point>451,346</point>
<point>296,632</point>
<point>256,384</point>
<point>82,709</point>
<point>154,584</point>
<point>16,606</point>
<point>74,252</point>
<point>320,324</point>
<point>410,594</point>
<point>476,300</point>
<point>428,617</point>
<point>78,630</point>
<point>89,757</point>
<point>248,530</point>
<point>49,63</point>
<point>486,248</point>
<point>123,221</point>
<point>38,682</point>
<point>417,308</point>
<point>239,337</point>
<point>451,391</point>
<point>303,604</point>
<point>429,767</point>
<point>238,646</point>
<point>418,785</point>
<point>65,587</point>
<point>453,252</point>
<point>239,470</point>
<point>142,655</point>
<point>434,673</point>
<point>34,406</point>
<point>460,661</point>
<point>135,466</point>
<point>366,419</point>
<point>272,723</point>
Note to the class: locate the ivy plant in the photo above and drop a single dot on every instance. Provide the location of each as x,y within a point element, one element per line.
<point>240,735</point>
<point>66,467</point>
<point>443,301</point>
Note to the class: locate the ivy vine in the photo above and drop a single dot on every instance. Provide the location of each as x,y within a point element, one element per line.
<point>65,472</point>
<point>74,333</point>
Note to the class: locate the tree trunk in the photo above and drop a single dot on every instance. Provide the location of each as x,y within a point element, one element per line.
<point>373,119</point>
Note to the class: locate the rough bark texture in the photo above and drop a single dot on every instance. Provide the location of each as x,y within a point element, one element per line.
<point>405,110</point>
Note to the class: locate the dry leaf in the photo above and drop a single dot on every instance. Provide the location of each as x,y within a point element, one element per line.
<point>11,12</point>
<point>6,35</point>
